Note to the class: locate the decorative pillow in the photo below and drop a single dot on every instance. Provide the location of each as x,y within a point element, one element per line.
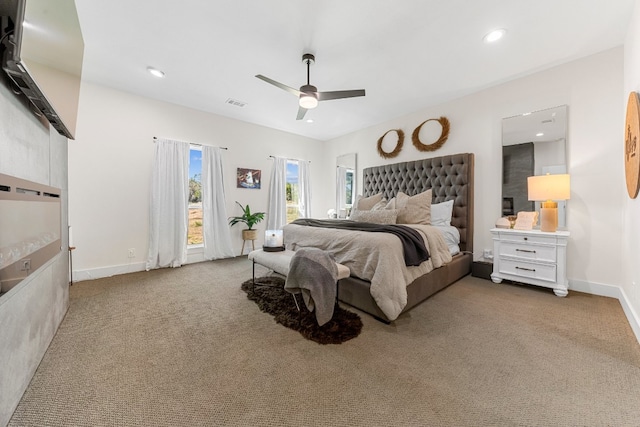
<point>383,204</point>
<point>382,216</point>
<point>414,209</point>
<point>366,203</point>
<point>441,213</point>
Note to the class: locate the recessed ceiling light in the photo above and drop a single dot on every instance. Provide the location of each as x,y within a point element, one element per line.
<point>309,120</point>
<point>539,134</point>
<point>494,35</point>
<point>155,72</point>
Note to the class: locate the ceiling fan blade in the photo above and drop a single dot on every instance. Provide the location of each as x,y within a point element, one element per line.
<point>301,113</point>
<point>339,94</point>
<point>291,90</point>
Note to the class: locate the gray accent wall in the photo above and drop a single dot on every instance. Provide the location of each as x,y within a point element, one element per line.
<point>31,312</point>
<point>517,165</point>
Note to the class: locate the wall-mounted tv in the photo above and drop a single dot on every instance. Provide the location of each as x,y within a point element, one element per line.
<point>43,52</point>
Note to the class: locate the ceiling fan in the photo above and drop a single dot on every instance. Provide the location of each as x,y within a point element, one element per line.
<point>308,94</point>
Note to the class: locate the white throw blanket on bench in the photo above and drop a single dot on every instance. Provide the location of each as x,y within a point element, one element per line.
<point>313,272</point>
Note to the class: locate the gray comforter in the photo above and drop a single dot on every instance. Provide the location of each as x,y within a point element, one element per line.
<point>413,248</point>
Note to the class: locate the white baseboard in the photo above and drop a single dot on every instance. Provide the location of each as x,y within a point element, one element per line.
<point>193,255</point>
<point>612,292</point>
<point>98,273</point>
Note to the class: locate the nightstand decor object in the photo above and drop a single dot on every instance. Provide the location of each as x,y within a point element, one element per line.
<point>534,257</point>
<point>631,149</point>
<point>547,189</point>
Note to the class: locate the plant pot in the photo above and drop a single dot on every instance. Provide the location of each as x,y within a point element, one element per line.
<point>249,234</point>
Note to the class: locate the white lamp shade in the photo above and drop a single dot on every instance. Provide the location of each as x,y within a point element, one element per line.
<point>549,187</point>
<point>308,101</point>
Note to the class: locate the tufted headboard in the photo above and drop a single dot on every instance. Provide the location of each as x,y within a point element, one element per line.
<point>450,177</point>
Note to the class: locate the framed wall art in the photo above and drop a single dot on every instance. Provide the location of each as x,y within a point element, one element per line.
<point>248,178</point>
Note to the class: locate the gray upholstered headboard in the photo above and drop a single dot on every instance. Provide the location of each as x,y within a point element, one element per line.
<point>450,177</point>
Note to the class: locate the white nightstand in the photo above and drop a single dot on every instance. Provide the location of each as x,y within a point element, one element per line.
<point>531,256</point>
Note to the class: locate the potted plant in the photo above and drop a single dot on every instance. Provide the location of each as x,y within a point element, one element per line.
<point>250,219</point>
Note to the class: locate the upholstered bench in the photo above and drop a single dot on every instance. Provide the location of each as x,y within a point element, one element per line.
<point>280,261</point>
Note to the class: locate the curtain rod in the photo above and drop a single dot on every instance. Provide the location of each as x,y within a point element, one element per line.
<point>193,143</point>
<point>297,160</point>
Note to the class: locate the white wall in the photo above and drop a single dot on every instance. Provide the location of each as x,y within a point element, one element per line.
<point>110,168</point>
<point>630,207</point>
<point>592,89</point>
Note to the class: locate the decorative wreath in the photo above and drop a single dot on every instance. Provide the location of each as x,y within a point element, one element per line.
<point>444,122</point>
<point>396,150</point>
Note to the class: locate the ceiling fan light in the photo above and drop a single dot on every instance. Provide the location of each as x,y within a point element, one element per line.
<point>155,72</point>
<point>308,101</point>
<point>494,35</point>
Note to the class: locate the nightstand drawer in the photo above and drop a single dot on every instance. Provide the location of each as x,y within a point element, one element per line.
<point>529,239</point>
<point>528,252</point>
<point>528,270</point>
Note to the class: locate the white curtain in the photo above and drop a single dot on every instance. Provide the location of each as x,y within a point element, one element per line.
<point>168,217</point>
<point>341,188</point>
<point>277,213</point>
<point>304,207</point>
<point>217,236</point>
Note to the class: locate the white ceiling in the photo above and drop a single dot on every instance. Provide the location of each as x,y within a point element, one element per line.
<point>407,55</point>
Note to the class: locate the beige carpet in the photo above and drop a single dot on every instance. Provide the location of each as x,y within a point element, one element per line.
<point>185,347</point>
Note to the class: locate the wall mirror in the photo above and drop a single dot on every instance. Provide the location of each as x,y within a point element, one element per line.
<point>345,184</point>
<point>532,144</point>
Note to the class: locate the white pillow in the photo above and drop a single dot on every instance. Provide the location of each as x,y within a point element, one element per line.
<point>441,213</point>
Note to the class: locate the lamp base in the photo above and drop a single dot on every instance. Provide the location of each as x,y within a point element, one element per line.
<point>549,216</point>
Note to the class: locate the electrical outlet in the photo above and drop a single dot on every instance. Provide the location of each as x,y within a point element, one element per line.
<point>131,253</point>
<point>26,265</point>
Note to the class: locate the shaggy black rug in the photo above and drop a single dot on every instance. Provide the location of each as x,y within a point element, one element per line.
<point>270,296</point>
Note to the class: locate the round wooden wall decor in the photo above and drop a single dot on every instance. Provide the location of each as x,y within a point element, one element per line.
<point>631,152</point>
<point>399,144</point>
<point>415,138</point>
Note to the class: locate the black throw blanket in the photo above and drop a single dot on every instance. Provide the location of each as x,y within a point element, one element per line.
<point>414,249</point>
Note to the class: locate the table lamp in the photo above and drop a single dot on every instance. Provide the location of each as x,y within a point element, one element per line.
<point>547,189</point>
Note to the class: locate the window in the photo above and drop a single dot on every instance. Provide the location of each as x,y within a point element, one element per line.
<point>292,191</point>
<point>194,234</point>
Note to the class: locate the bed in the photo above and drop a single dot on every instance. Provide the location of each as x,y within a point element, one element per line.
<point>449,178</point>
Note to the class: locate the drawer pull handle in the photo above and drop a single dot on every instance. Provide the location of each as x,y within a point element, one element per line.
<point>526,238</point>
<point>526,269</point>
<point>526,250</point>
